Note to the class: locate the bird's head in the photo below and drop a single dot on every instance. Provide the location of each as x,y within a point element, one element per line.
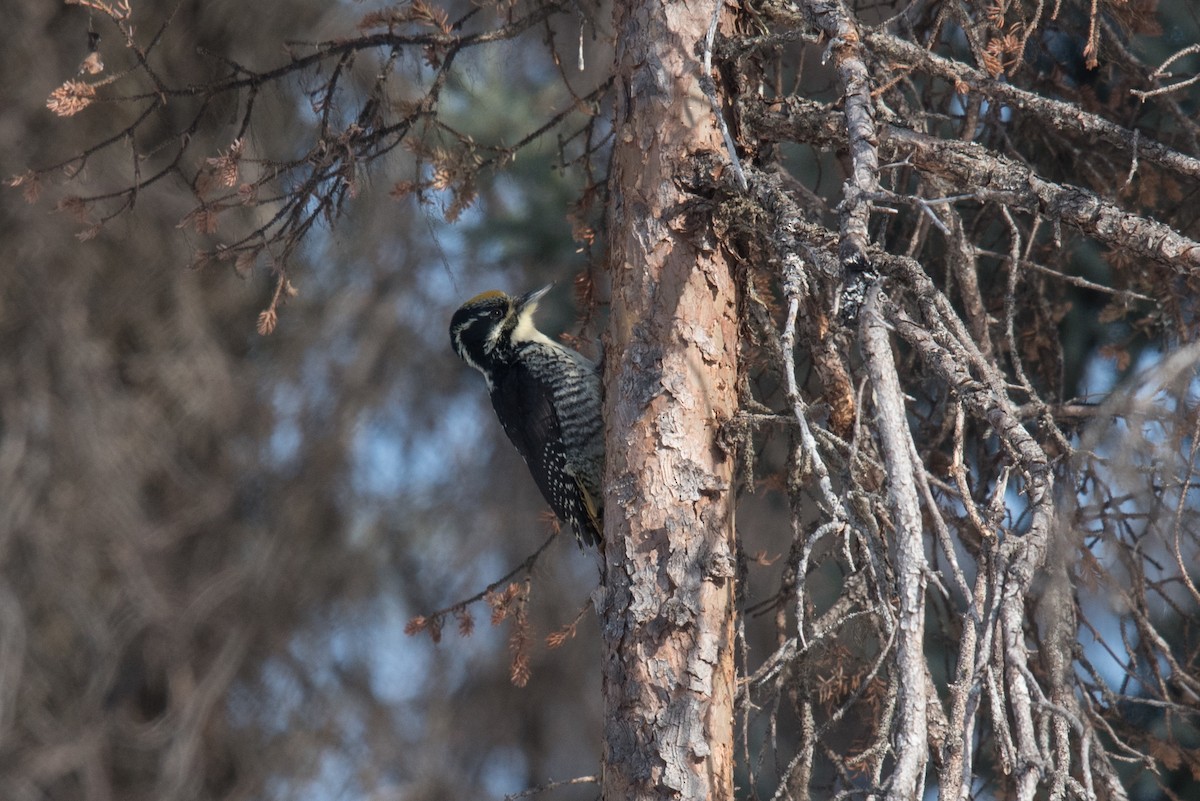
<point>484,328</point>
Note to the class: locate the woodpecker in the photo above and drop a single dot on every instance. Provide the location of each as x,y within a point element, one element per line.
<point>548,398</point>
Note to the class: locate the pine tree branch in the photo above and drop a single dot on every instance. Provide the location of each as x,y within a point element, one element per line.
<point>996,178</point>
<point>1065,117</point>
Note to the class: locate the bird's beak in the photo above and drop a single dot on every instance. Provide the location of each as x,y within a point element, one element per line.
<point>529,300</point>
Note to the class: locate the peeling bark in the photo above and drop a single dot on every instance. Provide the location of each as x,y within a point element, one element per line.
<point>667,615</point>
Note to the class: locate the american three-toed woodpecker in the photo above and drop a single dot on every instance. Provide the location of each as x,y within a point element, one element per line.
<point>548,398</point>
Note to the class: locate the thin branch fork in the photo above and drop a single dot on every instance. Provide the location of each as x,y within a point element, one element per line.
<point>244,77</point>
<point>1002,179</point>
<point>526,566</point>
<point>328,177</point>
<point>943,345</point>
<point>1062,116</point>
<point>1161,72</point>
<point>993,177</point>
<point>1019,556</point>
<point>910,723</point>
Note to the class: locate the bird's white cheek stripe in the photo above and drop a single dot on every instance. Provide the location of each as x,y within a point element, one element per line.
<point>462,351</point>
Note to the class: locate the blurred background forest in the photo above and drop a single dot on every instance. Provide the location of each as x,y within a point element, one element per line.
<point>211,541</point>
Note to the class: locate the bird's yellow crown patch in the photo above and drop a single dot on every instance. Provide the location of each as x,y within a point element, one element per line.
<point>482,296</point>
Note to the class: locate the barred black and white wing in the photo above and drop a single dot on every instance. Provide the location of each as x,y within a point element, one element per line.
<point>531,409</point>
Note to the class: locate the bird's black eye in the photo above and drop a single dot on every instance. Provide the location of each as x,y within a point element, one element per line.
<point>496,314</point>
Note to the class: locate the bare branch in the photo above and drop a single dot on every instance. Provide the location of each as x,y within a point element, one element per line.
<point>849,61</point>
<point>1062,116</point>
<point>909,738</point>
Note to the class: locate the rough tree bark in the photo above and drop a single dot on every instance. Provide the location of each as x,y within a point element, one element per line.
<point>671,378</point>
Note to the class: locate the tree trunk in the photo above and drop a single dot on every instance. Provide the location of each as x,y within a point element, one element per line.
<point>671,381</point>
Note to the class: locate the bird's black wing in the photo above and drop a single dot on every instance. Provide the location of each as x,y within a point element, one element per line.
<point>526,408</point>
<point>525,405</point>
